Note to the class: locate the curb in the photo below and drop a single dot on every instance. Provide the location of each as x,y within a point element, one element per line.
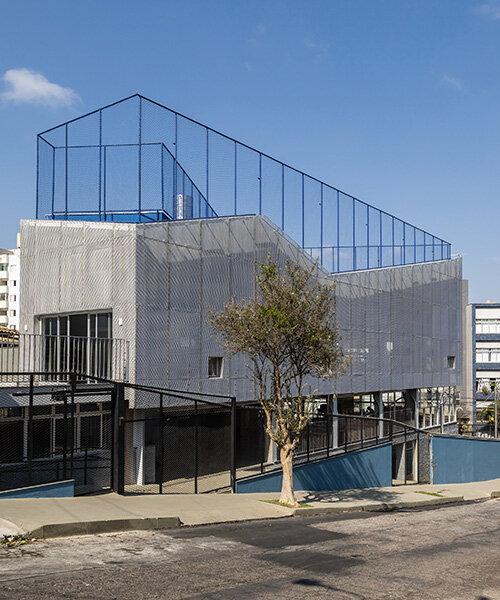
<point>53,530</point>
<point>376,506</point>
<point>495,495</point>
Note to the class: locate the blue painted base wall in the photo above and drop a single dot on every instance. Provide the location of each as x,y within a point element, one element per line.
<point>363,469</point>
<point>59,489</point>
<point>462,460</point>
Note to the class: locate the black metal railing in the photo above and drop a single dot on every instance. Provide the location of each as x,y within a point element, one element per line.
<point>183,442</point>
<point>97,357</point>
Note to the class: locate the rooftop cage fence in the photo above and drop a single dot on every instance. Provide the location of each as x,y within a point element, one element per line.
<point>138,161</point>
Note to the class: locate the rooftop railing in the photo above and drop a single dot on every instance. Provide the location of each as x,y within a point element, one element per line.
<point>138,161</point>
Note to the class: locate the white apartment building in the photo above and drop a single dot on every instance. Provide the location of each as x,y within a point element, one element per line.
<point>9,288</point>
<point>481,355</point>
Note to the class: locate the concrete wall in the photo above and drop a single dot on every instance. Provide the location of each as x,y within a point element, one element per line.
<point>461,460</point>
<point>363,469</point>
<point>399,324</point>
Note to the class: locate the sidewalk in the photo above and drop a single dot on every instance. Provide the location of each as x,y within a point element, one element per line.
<point>55,517</point>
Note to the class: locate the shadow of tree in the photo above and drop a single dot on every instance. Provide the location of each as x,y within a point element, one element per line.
<point>367,494</point>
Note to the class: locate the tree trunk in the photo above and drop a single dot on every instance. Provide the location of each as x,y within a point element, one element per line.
<point>287,494</point>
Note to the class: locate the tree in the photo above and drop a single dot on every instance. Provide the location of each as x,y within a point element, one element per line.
<point>288,331</point>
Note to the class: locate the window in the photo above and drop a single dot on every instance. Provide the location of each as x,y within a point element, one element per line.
<point>3,266</point>
<point>13,282</point>
<point>78,342</point>
<point>451,362</point>
<point>487,325</point>
<point>215,366</point>
<point>12,313</point>
<point>12,298</point>
<point>488,355</point>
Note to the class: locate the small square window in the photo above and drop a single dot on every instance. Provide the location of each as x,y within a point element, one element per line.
<point>215,366</point>
<point>451,362</point>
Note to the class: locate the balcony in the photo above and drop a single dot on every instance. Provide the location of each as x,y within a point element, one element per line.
<point>106,358</point>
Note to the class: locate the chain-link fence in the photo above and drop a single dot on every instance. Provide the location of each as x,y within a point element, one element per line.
<point>55,432</point>
<point>136,160</point>
<point>78,427</point>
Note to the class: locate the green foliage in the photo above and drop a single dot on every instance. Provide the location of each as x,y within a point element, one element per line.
<point>288,332</point>
<point>488,413</point>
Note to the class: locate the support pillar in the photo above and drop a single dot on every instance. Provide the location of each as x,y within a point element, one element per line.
<point>335,423</point>
<point>138,443</point>
<point>380,405</point>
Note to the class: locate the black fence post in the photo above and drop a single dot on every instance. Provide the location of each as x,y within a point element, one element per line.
<point>161,449</point>
<point>233,445</point>
<point>308,433</point>
<point>85,466</point>
<point>65,436</point>
<point>30,430</point>
<point>72,438</point>
<point>345,435</point>
<point>262,440</point>
<point>404,450</point>
<point>118,456</point>
<point>417,450</point>
<point>328,421</point>
<point>196,446</point>
<point>362,428</point>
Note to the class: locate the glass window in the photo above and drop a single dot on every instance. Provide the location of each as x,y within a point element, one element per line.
<point>104,325</point>
<point>12,436</point>
<point>89,407</point>
<point>42,410</point>
<point>41,438</point>
<point>62,437</point>
<point>15,411</point>
<point>90,432</point>
<point>215,366</point>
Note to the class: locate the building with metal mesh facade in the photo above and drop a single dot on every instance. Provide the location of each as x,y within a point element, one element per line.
<point>401,325</point>
<point>148,220</point>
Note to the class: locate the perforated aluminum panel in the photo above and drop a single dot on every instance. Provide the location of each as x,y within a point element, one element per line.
<point>399,324</point>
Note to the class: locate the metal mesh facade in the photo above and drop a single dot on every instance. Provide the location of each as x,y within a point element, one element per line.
<point>138,161</point>
<point>399,324</point>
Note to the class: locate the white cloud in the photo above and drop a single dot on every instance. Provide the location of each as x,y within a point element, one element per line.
<point>25,85</point>
<point>490,9</point>
<point>319,49</point>
<point>452,82</point>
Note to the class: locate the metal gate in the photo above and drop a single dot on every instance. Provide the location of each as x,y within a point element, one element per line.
<point>55,427</point>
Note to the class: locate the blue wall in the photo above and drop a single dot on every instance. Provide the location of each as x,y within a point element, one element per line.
<point>59,489</point>
<point>363,469</point>
<point>461,460</point>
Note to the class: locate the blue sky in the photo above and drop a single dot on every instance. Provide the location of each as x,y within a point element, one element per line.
<point>393,101</point>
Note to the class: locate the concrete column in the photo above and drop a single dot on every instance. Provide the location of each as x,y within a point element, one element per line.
<point>380,405</point>
<point>138,443</point>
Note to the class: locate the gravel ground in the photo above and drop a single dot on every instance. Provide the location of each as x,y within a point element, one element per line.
<point>450,553</point>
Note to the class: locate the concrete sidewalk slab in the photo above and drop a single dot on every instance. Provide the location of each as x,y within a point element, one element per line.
<point>8,528</point>
<point>54,517</point>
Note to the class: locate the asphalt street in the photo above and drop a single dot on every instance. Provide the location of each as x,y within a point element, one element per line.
<point>450,553</point>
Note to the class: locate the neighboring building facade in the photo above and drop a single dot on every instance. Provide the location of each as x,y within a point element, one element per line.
<point>9,288</point>
<point>482,355</point>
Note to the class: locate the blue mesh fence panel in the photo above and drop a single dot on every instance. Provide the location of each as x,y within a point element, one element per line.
<point>136,160</point>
